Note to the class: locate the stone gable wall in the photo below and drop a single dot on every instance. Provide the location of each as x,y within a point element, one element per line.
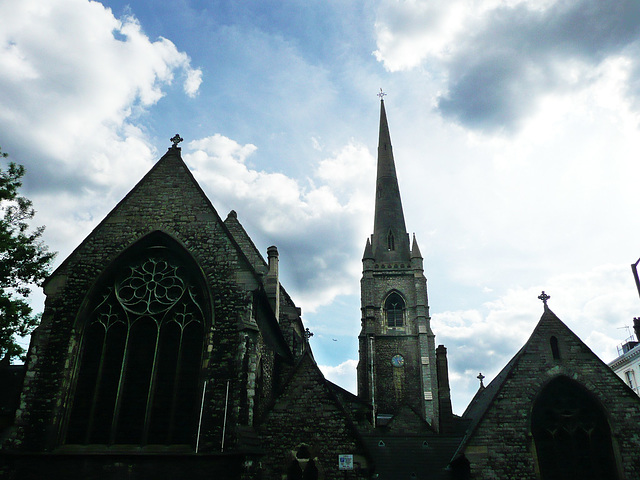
<point>306,413</point>
<point>502,446</point>
<point>169,201</point>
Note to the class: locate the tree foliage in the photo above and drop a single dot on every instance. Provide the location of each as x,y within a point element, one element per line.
<point>24,261</point>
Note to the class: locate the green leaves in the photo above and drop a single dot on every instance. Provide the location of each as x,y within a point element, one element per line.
<point>24,261</point>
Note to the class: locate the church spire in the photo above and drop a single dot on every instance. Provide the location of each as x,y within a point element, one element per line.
<point>390,240</point>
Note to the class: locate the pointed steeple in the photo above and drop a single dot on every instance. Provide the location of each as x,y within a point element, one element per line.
<point>390,241</point>
<point>368,252</point>
<point>415,250</point>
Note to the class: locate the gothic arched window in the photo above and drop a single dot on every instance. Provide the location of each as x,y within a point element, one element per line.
<point>391,241</point>
<point>394,309</point>
<point>571,434</point>
<point>142,344</point>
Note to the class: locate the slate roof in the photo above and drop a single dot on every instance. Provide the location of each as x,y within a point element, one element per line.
<point>420,457</point>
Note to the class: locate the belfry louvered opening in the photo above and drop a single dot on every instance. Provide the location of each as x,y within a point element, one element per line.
<point>138,380</point>
<point>394,308</point>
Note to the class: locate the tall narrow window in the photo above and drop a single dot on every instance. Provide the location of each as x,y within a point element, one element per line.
<point>571,434</point>
<point>141,355</point>
<point>631,379</point>
<point>394,310</point>
<point>391,243</point>
<point>555,350</point>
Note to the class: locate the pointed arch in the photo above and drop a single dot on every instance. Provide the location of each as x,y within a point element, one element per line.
<point>394,310</point>
<point>571,433</point>
<point>142,339</point>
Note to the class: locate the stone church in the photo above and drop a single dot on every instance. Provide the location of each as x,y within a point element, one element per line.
<point>168,349</point>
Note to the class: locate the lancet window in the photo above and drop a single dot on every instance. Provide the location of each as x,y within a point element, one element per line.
<point>142,344</point>
<point>394,308</point>
<point>391,242</point>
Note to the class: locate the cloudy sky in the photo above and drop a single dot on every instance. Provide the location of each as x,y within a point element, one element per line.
<point>514,125</point>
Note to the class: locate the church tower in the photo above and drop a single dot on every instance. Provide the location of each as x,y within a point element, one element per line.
<point>397,364</point>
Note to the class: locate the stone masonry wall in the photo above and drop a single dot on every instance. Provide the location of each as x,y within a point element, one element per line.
<point>307,414</point>
<point>166,200</point>
<point>502,445</point>
<point>404,385</point>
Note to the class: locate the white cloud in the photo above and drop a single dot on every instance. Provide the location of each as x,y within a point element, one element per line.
<point>497,60</point>
<point>410,31</point>
<point>74,83</point>
<point>192,82</point>
<point>343,374</point>
<point>77,77</point>
<point>594,304</point>
<point>295,215</point>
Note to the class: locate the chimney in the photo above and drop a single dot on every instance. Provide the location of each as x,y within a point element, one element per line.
<point>444,391</point>
<point>636,328</point>
<point>271,282</point>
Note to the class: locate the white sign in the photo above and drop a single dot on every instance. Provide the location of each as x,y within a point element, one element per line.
<point>345,462</point>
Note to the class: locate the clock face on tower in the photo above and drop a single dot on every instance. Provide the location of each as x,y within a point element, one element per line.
<point>397,361</point>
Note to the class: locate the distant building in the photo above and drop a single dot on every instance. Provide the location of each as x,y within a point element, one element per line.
<point>627,364</point>
<point>168,349</point>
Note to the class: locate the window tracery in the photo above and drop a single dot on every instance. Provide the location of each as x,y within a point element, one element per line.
<point>571,434</point>
<point>142,346</point>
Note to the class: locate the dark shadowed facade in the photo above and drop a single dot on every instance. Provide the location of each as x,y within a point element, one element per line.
<point>168,349</point>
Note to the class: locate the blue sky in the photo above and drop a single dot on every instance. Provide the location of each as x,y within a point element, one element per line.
<point>514,125</point>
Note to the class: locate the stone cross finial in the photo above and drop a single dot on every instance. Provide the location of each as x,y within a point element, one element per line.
<point>381,94</point>
<point>308,333</point>
<point>176,140</point>
<point>544,297</point>
<point>481,378</point>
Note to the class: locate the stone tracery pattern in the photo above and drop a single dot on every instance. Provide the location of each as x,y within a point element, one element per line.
<point>150,310</point>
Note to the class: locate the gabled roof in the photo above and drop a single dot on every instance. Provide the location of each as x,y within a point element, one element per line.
<point>406,421</point>
<point>250,250</point>
<point>299,383</point>
<point>172,157</point>
<point>484,398</point>
<point>306,363</point>
<point>419,457</point>
<point>248,247</point>
<point>548,325</point>
<point>172,161</point>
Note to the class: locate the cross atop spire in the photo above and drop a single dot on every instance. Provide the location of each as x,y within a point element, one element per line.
<point>381,94</point>
<point>544,297</point>
<point>176,140</point>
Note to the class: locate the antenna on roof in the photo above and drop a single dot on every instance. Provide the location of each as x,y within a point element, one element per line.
<point>628,330</point>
